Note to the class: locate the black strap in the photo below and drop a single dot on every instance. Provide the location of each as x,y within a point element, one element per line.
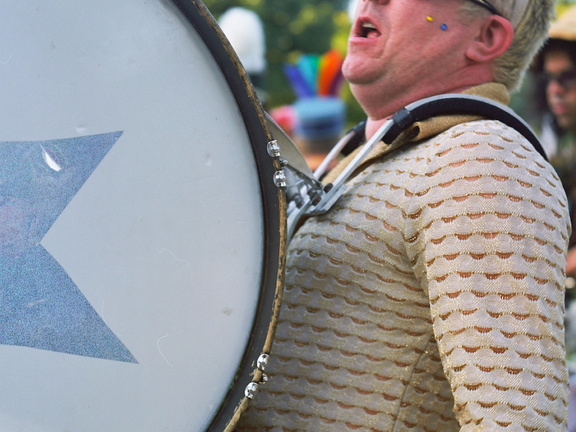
<point>357,139</point>
<point>450,104</point>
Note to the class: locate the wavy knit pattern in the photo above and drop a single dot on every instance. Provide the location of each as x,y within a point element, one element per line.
<point>429,299</point>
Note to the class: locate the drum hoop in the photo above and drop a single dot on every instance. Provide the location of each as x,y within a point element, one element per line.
<point>274,212</point>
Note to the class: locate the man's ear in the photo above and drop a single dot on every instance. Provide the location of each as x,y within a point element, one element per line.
<point>494,37</point>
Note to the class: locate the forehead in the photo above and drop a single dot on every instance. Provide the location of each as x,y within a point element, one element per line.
<point>558,60</point>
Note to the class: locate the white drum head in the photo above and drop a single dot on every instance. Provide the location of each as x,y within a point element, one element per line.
<point>140,230</point>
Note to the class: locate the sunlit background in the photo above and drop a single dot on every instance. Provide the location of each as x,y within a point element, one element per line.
<point>296,27</point>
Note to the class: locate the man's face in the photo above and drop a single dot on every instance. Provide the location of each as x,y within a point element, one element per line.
<point>561,88</point>
<point>396,46</point>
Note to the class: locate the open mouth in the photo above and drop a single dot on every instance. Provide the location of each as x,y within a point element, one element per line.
<point>365,29</point>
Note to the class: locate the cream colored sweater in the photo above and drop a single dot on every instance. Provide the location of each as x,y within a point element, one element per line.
<point>430,298</point>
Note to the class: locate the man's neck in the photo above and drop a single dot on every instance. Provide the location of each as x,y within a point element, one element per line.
<point>380,108</point>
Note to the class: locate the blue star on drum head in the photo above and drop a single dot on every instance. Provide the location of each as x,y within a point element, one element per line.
<point>40,306</point>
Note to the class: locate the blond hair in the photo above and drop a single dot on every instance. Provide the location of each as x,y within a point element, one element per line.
<point>529,35</point>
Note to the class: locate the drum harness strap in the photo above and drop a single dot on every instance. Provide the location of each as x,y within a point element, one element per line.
<point>316,198</point>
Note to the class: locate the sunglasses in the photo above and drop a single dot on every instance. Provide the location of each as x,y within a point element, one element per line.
<point>566,79</point>
<point>486,5</point>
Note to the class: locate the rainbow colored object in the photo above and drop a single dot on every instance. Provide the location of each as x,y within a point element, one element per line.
<point>317,80</point>
<point>315,75</point>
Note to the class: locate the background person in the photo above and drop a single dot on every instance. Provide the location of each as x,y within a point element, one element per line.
<point>557,65</point>
<point>319,123</point>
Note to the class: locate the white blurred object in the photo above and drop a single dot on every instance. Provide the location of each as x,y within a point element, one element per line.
<point>244,30</point>
<point>572,405</point>
<point>352,9</point>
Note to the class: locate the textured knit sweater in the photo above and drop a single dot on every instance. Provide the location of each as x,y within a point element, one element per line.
<point>430,297</point>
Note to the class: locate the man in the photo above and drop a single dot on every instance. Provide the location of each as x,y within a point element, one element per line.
<point>430,297</point>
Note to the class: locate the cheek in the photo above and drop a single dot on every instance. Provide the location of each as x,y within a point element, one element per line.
<point>571,97</point>
<point>569,102</point>
<point>553,90</point>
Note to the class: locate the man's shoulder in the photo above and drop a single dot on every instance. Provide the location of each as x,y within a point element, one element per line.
<point>490,134</point>
<point>487,146</point>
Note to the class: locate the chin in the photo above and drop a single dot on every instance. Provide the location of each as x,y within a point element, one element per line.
<point>346,68</point>
<point>354,74</point>
<point>352,67</point>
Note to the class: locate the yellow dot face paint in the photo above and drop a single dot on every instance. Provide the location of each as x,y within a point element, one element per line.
<point>429,18</point>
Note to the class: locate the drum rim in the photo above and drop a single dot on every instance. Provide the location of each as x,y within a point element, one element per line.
<point>273,205</point>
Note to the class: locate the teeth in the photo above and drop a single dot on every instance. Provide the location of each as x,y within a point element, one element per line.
<point>368,26</point>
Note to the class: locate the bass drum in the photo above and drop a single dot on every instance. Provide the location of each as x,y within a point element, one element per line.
<point>141,234</point>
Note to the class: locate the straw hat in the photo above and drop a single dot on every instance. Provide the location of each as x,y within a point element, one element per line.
<point>565,26</point>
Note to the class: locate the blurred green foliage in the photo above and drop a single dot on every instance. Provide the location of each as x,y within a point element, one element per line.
<point>292,28</point>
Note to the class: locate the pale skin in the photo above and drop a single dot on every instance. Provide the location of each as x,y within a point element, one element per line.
<point>398,53</point>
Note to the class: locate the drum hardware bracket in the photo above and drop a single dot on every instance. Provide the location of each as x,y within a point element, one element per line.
<point>275,151</point>
<point>296,183</point>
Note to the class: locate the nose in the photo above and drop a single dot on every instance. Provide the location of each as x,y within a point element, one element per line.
<point>554,87</point>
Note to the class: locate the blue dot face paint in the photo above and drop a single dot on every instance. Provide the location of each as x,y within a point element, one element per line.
<point>444,27</point>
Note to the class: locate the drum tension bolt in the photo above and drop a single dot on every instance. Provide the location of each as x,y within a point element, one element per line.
<point>273,149</point>
<point>251,390</point>
<point>262,362</point>
<point>280,179</point>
